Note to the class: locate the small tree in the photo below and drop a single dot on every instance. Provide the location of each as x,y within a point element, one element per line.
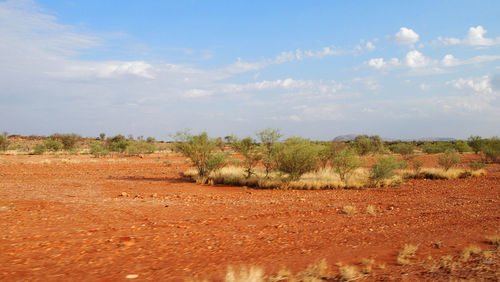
<point>449,159</point>
<point>97,149</point>
<point>118,143</point>
<point>297,156</point>
<point>53,145</point>
<point>491,149</point>
<point>345,163</point>
<point>249,149</point>
<point>102,136</point>
<point>201,150</point>
<point>4,142</point>
<point>475,142</point>
<point>67,140</point>
<point>384,169</point>
<point>268,138</point>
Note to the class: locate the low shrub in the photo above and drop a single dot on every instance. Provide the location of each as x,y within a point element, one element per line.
<point>4,142</point>
<point>436,147</point>
<point>117,143</point>
<point>39,149</point>
<point>461,146</point>
<point>345,163</point>
<point>269,142</point>
<point>68,141</point>
<point>135,148</point>
<point>449,159</point>
<point>249,149</point>
<point>297,156</point>
<point>403,148</point>
<point>365,145</point>
<point>97,149</point>
<point>53,145</point>
<point>384,168</point>
<point>491,149</point>
<point>477,165</point>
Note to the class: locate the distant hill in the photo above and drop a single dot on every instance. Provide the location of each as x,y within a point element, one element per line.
<point>343,138</point>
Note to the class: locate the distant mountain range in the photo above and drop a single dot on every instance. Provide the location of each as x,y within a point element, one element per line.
<point>349,137</point>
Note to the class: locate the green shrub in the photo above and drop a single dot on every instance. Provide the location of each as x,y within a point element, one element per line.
<point>417,164</point>
<point>97,149</point>
<point>449,159</point>
<point>475,142</point>
<point>268,138</point>
<point>329,151</point>
<point>118,143</point>
<point>39,149</point>
<point>201,150</point>
<point>53,145</point>
<point>461,146</point>
<point>365,144</point>
<point>405,149</point>
<point>384,168</point>
<point>68,141</point>
<point>4,143</point>
<point>345,163</point>
<point>135,148</point>
<point>249,149</point>
<point>436,147</point>
<point>491,149</point>
<point>297,156</point>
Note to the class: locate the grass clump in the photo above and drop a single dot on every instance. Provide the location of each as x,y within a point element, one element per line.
<point>252,274</point>
<point>406,254</point>
<point>349,210</point>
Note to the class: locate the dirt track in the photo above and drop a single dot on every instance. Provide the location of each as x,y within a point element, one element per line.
<point>64,219</point>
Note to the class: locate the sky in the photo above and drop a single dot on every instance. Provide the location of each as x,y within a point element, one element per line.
<point>316,69</point>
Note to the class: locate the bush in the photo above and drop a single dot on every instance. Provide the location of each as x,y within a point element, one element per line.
<point>475,142</point>
<point>384,169</point>
<point>268,138</point>
<point>249,149</point>
<point>53,145</point>
<point>436,147</point>
<point>4,143</point>
<point>39,149</point>
<point>201,150</point>
<point>118,143</point>
<point>97,149</point>
<point>477,165</point>
<point>329,151</point>
<point>345,163</point>
<point>136,148</point>
<point>449,159</point>
<point>297,156</point>
<point>491,149</point>
<point>461,146</point>
<point>365,144</point>
<point>403,148</point>
<point>68,141</point>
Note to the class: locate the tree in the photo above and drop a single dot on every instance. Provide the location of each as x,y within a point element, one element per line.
<point>269,137</point>
<point>475,142</point>
<point>384,168</point>
<point>297,156</point>
<point>248,148</point>
<point>201,150</point>
<point>345,163</point>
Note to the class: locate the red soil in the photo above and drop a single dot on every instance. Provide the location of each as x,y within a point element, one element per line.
<point>64,219</point>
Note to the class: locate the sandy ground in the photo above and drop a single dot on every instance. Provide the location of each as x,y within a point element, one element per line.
<point>64,218</point>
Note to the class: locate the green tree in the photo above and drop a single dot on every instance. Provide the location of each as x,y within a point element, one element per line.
<point>475,142</point>
<point>269,138</point>
<point>297,156</point>
<point>201,151</point>
<point>384,168</point>
<point>249,149</point>
<point>345,163</point>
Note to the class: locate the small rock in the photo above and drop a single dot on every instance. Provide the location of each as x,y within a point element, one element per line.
<point>131,276</point>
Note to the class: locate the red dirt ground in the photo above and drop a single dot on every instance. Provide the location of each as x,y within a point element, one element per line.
<point>63,218</point>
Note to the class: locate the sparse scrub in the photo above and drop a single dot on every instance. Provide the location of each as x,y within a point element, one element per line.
<point>406,254</point>
<point>477,165</point>
<point>136,148</point>
<point>4,142</point>
<point>97,149</point>
<point>491,149</point>
<point>249,149</point>
<point>461,146</point>
<point>365,144</point>
<point>295,157</point>
<point>345,163</point>
<point>68,141</point>
<point>384,168</point>
<point>405,149</point>
<point>475,143</point>
<point>53,145</point>
<point>39,149</point>
<point>201,150</point>
<point>269,138</point>
<point>117,143</point>
<point>449,159</point>
<point>436,147</point>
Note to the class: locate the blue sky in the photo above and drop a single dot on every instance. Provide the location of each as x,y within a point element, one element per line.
<point>318,69</point>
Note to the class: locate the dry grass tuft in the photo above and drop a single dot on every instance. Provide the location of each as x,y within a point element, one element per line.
<point>349,210</point>
<point>468,251</point>
<point>406,254</point>
<point>440,173</point>
<point>493,240</point>
<point>349,272</point>
<point>367,265</point>
<point>315,272</point>
<point>252,274</point>
<point>371,210</point>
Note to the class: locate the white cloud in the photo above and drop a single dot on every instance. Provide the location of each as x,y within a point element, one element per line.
<point>449,61</point>
<point>87,70</point>
<point>405,36</point>
<point>475,37</point>
<point>478,85</point>
<point>197,93</point>
<point>380,63</point>
<point>370,46</point>
<point>415,59</point>
<point>424,86</point>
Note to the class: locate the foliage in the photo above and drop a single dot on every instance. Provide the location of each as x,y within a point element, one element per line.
<point>97,149</point>
<point>403,148</point>
<point>449,159</point>
<point>417,164</point>
<point>135,148</point>
<point>477,165</point>
<point>384,168</point>
<point>68,141</point>
<point>118,143</point>
<point>491,148</point>
<point>329,151</point>
<point>4,142</point>
<point>249,149</point>
<point>345,163</point>
<point>475,142</point>
<point>150,139</point>
<point>436,147</point>
<point>365,144</point>
<point>269,138</point>
<point>297,156</point>
<point>461,146</point>
<point>53,145</point>
<point>39,149</point>
<point>102,136</point>
<point>201,150</point>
